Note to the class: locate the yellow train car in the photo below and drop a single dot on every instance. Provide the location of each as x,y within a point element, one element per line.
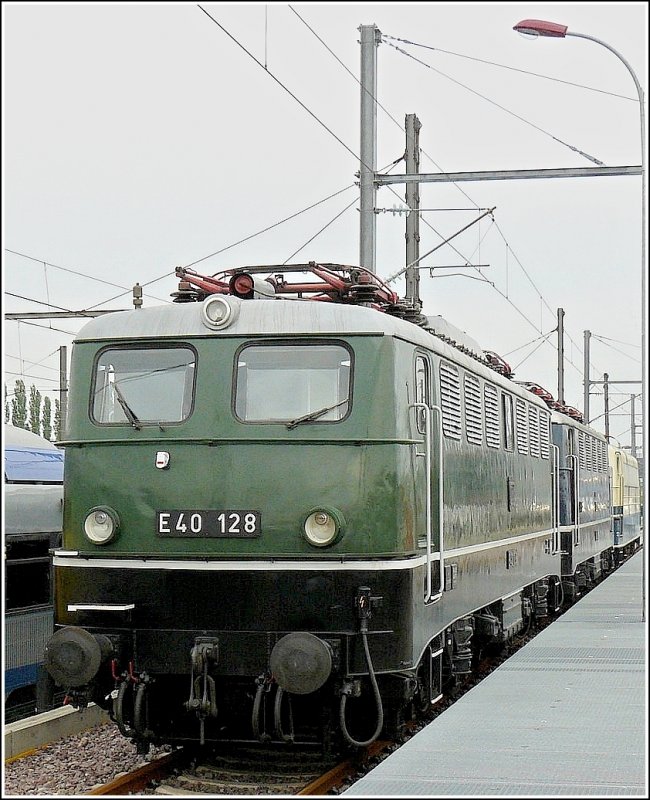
<point>625,494</point>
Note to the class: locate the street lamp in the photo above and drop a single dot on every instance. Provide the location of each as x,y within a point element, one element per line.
<point>540,27</point>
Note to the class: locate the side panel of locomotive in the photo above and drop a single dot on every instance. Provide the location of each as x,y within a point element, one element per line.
<point>584,512</point>
<point>495,534</point>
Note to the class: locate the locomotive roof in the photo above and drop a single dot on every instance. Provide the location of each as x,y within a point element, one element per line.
<point>564,419</point>
<point>625,455</point>
<point>277,317</point>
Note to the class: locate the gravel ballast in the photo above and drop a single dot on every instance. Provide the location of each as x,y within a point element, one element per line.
<point>76,764</point>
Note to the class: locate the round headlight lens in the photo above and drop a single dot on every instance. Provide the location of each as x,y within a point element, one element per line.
<point>218,311</point>
<point>101,525</point>
<point>323,526</point>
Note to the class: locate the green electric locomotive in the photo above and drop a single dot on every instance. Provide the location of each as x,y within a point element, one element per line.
<point>292,509</point>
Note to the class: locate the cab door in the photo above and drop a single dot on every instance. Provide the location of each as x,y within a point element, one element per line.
<point>422,427</point>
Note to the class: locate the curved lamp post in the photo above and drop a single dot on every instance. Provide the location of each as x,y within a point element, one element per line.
<point>540,27</point>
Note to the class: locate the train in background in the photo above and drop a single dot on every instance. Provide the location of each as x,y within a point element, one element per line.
<point>33,517</point>
<point>626,501</point>
<point>582,460</point>
<point>296,509</point>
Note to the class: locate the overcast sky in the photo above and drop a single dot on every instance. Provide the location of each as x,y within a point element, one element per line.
<point>141,137</point>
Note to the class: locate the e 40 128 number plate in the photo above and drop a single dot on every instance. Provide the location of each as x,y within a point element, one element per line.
<point>213,523</point>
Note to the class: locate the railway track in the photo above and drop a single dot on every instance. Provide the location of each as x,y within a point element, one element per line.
<point>241,770</point>
<point>278,769</point>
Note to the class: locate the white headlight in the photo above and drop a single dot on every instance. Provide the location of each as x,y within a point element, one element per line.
<point>218,311</point>
<point>101,525</point>
<point>322,526</point>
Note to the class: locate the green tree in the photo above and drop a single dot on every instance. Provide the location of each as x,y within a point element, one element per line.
<point>47,417</point>
<point>34,410</point>
<point>7,411</point>
<point>57,419</point>
<point>19,406</point>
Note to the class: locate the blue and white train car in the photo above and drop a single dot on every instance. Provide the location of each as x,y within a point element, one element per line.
<point>33,512</point>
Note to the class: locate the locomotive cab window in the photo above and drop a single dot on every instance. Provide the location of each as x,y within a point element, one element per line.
<point>293,383</point>
<point>136,385</point>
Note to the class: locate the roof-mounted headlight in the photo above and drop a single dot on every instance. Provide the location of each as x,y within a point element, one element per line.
<point>218,311</point>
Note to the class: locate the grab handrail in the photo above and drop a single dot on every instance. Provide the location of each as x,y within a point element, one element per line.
<point>576,498</point>
<point>429,596</point>
<point>556,500</point>
<point>427,462</point>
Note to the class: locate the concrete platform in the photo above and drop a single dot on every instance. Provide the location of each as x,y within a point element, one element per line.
<point>566,715</point>
<point>41,729</point>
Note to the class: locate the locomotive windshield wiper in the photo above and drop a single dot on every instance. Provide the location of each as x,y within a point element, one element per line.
<point>314,414</point>
<point>126,407</point>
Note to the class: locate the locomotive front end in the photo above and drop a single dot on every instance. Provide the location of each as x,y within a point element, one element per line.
<point>234,516</point>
